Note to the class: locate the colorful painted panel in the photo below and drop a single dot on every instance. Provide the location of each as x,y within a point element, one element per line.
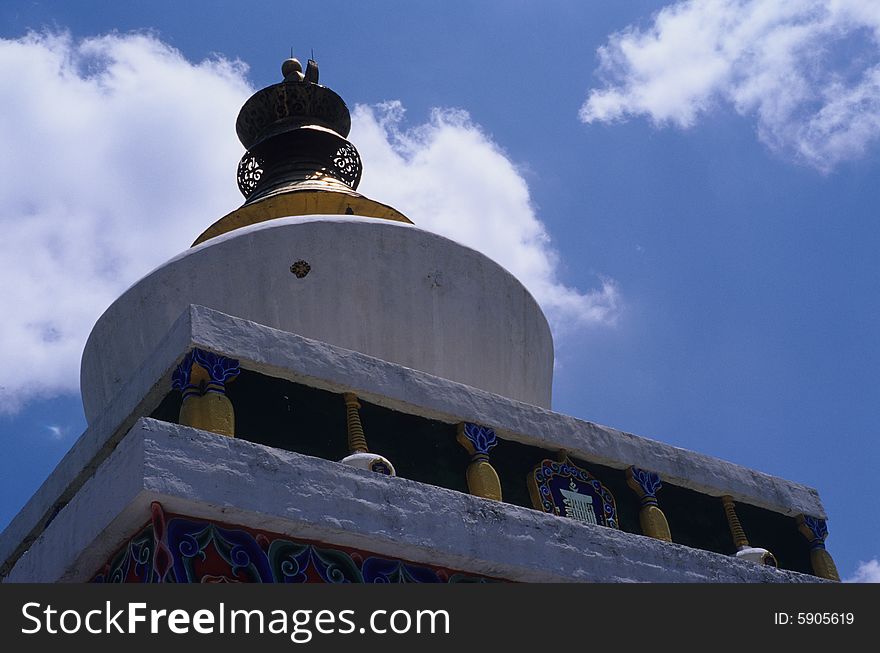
<point>562,488</point>
<point>178,549</point>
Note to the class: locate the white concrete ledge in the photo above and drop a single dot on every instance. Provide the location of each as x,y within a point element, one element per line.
<point>289,356</point>
<point>212,477</point>
<point>286,355</point>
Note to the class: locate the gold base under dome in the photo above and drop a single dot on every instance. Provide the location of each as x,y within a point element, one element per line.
<point>301,202</point>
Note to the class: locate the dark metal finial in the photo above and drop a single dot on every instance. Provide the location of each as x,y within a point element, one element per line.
<point>312,71</point>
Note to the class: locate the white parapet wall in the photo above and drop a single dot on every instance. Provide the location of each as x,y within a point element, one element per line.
<point>207,476</point>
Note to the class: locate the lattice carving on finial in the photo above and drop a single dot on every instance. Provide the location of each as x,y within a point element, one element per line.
<point>250,171</point>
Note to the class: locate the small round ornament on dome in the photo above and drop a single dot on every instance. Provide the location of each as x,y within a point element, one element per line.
<point>292,70</point>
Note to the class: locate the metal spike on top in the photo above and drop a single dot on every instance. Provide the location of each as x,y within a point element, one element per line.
<point>312,71</point>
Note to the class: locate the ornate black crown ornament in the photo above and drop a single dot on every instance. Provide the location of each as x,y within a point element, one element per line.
<point>295,133</point>
<point>298,159</point>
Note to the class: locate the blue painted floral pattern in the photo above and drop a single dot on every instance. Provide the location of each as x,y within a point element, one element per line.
<point>481,437</point>
<point>648,481</point>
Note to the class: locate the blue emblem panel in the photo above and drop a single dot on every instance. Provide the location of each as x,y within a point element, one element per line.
<point>562,488</point>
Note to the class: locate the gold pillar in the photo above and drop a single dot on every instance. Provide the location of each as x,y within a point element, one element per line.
<point>359,453</point>
<point>357,441</point>
<point>745,551</point>
<point>646,484</point>
<point>816,530</point>
<point>202,377</point>
<point>482,479</point>
<point>740,540</point>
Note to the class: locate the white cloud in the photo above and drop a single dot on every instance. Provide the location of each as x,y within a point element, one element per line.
<point>867,572</point>
<point>808,72</point>
<point>56,432</point>
<point>118,152</point>
<point>449,177</point>
<point>112,163</point>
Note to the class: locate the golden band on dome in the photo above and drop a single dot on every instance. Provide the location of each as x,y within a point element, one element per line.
<point>301,202</point>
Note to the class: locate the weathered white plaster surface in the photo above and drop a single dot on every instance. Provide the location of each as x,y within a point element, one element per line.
<point>383,288</point>
<point>210,476</point>
<point>284,355</point>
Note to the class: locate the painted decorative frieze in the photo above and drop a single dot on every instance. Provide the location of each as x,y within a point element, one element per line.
<point>179,549</point>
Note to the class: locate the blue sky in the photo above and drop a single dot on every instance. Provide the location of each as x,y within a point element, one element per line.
<point>690,194</point>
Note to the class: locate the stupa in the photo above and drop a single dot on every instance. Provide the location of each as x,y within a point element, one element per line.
<point>320,391</point>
